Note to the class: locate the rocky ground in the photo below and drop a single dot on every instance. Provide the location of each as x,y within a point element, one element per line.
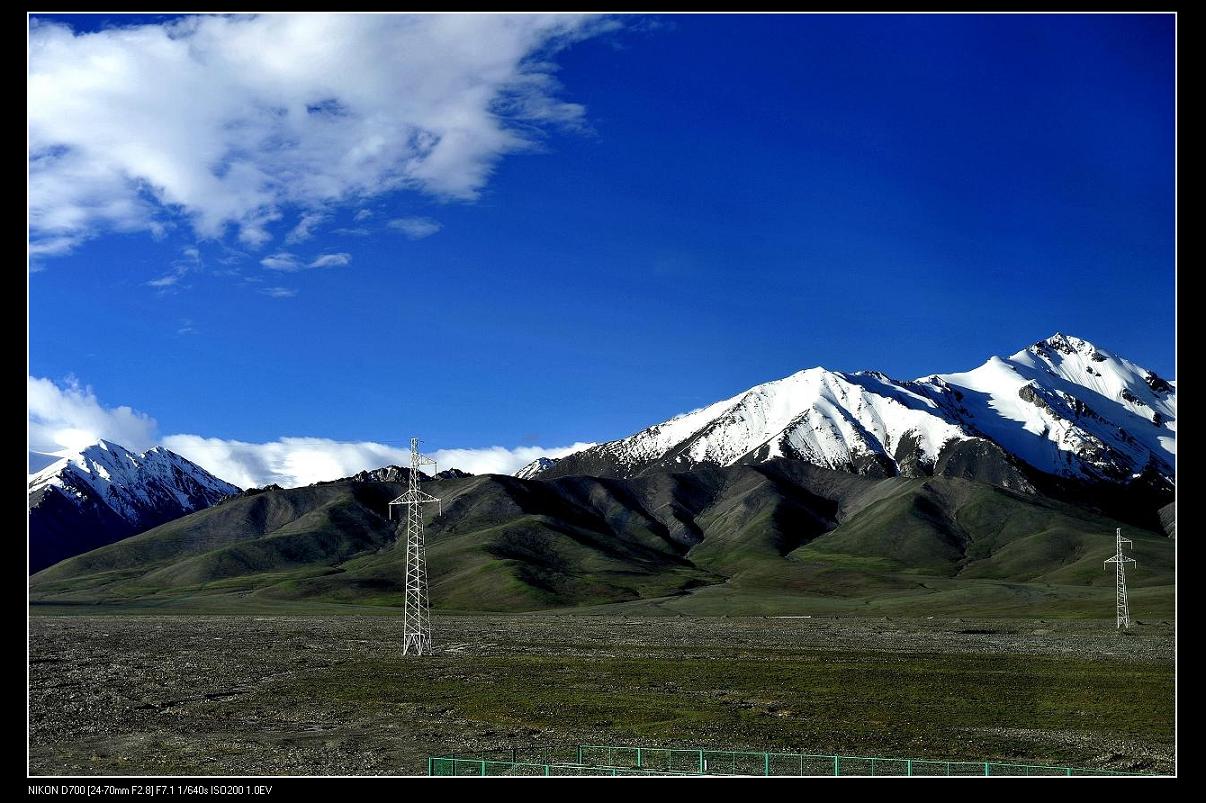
<point>319,695</point>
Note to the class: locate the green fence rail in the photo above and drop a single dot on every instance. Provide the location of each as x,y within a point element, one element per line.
<point>624,760</point>
<point>476,768</point>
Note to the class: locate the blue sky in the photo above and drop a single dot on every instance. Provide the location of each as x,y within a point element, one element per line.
<point>681,207</point>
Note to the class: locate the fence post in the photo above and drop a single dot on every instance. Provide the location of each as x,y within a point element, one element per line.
<point>909,767</point>
<point>483,769</point>
<point>546,769</point>
<point>836,768</point>
<point>701,762</point>
<point>429,760</point>
<point>766,763</point>
<point>986,770</point>
<point>579,754</point>
<point>639,757</point>
<point>1068,772</point>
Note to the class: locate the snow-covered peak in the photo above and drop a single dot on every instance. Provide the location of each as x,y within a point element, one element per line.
<point>102,462</point>
<point>857,422</point>
<point>1067,406</point>
<point>1116,378</point>
<point>129,482</point>
<point>1062,404</point>
<point>533,469</point>
<point>1067,344</point>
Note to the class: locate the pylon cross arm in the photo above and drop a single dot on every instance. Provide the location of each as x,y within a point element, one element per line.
<point>415,498</point>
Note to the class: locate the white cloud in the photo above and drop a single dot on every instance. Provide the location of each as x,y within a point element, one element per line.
<point>234,120</point>
<point>168,279</point>
<point>288,462</point>
<point>499,459</point>
<point>283,261</point>
<point>289,263</point>
<point>362,215</point>
<point>190,260</point>
<point>45,246</point>
<point>278,292</point>
<point>70,417</point>
<point>304,229</point>
<point>331,261</point>
<point>416,228</point>
<point>300,461</point>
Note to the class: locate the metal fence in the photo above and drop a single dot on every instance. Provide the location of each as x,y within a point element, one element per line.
<point>477,768</point>
<point>730,762</point>
<point>624,760</point>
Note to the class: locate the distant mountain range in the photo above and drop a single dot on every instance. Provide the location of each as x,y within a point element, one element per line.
<point>1012,471</point>
<point>398,474</point>
<point>1062,407</point>
<point>778,536</point>
<point>106,492</point>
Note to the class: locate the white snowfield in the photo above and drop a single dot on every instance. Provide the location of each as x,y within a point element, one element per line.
<point>131,483</point>
<point>1062,405</point>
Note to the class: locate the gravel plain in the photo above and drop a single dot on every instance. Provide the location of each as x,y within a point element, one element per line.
<point>330,695</point>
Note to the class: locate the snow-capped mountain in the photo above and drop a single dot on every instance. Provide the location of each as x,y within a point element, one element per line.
<point>107,492</point>
<point>1062,406</point>
<point>1072,409</point>
<point>540,464</point>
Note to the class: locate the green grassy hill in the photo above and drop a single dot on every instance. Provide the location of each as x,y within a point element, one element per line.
<point>781,537</point>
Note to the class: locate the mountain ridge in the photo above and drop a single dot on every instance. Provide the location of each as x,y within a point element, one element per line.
<point>782,533</point>
<point>1061,406</point>
<point>106,492</point>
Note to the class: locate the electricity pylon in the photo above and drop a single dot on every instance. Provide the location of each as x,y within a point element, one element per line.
<point>416,615</point>
<point>1122,610</point>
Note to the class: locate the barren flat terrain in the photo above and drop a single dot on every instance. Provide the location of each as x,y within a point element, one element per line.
<point>213,695</point>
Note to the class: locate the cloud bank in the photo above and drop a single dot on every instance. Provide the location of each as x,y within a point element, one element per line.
<point>70,417</point>
<point>300,461</point>
<point>228,123</point>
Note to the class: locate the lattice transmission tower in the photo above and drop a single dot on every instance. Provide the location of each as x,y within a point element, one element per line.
<point>1122,610</point>
<point>416,613</point>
